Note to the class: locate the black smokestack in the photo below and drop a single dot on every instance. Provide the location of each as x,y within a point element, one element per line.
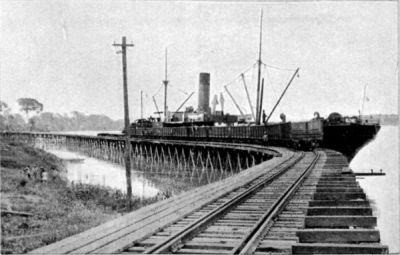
<point>204,92</point>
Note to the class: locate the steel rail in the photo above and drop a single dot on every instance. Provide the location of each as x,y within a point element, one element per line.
<point>186,233</point>
<point>249,244</point>
<point>222,195</point>
<point>243,146</point>
<point>225,194</point>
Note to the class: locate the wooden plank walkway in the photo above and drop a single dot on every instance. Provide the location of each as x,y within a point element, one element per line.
<point>119,233</point>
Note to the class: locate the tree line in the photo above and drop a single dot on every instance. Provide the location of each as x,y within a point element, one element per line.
<point>38,120</point>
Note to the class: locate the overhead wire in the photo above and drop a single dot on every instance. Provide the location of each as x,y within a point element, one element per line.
<point>184,92</point>
<point>270,81</point>
<point>158,90</point>
<point>250,68</point>
<point>278,68</point>
<point>238,76</point>
<point>236,79</point>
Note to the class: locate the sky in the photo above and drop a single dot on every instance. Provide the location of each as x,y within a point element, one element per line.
<point>61,53</point>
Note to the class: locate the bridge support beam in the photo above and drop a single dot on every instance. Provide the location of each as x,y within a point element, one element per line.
<point>200,164</point>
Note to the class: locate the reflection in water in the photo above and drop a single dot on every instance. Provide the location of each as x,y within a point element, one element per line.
<point>382,153</point>
<point>383,191</point>
<point>98,172</point>
<point>83,169</point>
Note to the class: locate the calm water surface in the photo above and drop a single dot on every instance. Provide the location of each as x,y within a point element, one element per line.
<point>99,172</point>
<point>383,191</point>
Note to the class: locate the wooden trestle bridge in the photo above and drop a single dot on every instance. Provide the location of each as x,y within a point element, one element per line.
<point>264,200</point>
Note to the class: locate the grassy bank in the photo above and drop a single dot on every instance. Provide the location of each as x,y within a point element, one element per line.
<point>57,209</point>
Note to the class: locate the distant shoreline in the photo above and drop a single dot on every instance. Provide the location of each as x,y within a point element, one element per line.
<point>383,119</point>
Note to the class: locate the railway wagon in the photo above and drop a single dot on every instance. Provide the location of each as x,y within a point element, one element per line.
<point>316,129</point>
<point>273,132</point>
<point>219,133</point>
<point>166,132</point>
<point>300,135</point>
<point>278,134</point>
<point>178,132</point>
<point>257,132</point>
<point>298,131</point>
<point>239,132</point>
<point>306,134</point>
<point>156,132</point>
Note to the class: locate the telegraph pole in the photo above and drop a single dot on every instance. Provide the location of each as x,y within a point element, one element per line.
<point>128,149</point>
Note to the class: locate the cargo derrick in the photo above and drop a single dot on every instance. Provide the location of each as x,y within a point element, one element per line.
<point>346,135</point>
<point>343,134</point>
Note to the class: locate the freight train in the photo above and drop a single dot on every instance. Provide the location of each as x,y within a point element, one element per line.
<point>299,135</point>
<point>344,134</point>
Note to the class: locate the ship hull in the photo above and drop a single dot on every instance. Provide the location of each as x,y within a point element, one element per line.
<point>349,138</point>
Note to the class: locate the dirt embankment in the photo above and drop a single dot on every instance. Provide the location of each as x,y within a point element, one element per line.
<point>55,209</point>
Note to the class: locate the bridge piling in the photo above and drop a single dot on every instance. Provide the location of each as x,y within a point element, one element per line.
<point>192,161</point>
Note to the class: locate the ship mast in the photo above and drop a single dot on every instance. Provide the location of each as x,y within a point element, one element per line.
<point>165,82</point>
<point>362,107</point>
<point>141,104</point>
<point>258,103</point>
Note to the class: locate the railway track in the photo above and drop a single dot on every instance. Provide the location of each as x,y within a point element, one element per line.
<point>234,220</point>
<point>278,236</point>
<point>302,203</point>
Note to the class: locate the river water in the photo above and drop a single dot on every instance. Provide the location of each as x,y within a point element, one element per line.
<point>83,169</point>
<point>383,191</point>
<point>87,170</point>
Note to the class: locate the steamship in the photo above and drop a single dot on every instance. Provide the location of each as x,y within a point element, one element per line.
<point>336,132</point>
